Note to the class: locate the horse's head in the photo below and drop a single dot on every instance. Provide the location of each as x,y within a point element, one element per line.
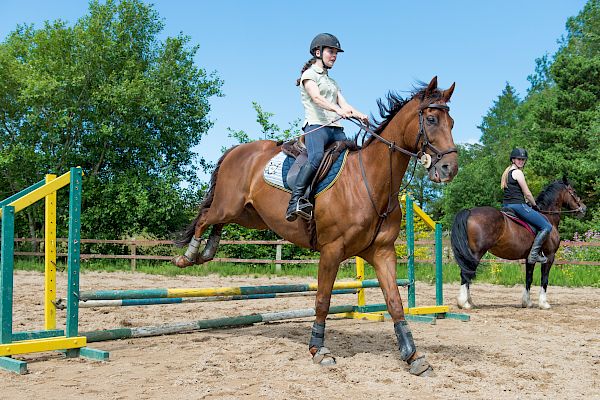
<point>434,143</point>
<point>571,200</point>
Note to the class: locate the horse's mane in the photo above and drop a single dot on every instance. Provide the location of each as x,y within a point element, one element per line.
<point>548,196</point>
<point>393,103</point>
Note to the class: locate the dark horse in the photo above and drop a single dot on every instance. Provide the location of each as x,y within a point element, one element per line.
<point>358,216</point>
<point>482,229</point>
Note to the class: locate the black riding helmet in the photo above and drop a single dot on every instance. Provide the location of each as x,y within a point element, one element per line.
<point>518,153</point>
<point>324,40</point>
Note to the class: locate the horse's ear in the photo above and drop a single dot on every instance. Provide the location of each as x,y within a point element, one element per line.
<point>446,94</point>
<point>431,87</point>
<point>565,180</point>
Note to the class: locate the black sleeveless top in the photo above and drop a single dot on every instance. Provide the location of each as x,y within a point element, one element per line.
<point>513,193</point>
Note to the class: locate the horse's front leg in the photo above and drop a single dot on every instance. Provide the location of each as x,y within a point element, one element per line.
<point>329,264</point>
<point>543,303</point>
<point>526,299</point>
<point>384,260</point>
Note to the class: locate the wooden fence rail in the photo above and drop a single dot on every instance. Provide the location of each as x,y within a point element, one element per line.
<point>133,255</point>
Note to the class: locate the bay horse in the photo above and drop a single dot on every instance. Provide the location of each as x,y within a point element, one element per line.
<point>482,229</point>
<point>358,216</point>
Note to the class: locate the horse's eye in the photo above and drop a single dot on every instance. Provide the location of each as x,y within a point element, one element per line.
<point>431,120</point>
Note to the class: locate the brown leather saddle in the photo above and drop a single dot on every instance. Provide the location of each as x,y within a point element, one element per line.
<point>297,150</point>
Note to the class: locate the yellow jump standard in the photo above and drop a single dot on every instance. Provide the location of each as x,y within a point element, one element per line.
<point>48,340</point>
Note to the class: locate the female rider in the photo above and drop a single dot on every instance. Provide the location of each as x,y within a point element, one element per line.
<point>515,192</point>
<point>323,105</point>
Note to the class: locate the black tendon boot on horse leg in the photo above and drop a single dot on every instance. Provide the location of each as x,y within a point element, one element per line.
<point>534,253</point>
<point>321,354</point>
<point>418,365</point>
<point>297,207</point>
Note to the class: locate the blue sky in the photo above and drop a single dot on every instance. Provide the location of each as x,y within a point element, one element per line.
<point>258,48</point>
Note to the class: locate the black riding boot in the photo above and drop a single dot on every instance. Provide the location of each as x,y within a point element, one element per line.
<point>303,179</point>
<point>534,253</point>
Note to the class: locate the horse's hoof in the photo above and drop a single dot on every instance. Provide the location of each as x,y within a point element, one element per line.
<point>465,306</point>
<point>420,367</point>
<point>545,306</point>
<point>181,262</point>
<point>324,357</point>
<point>526,304</point>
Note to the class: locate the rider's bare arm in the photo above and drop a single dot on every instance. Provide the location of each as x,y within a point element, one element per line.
<point>313,91</point>
<point>520,178</point>
<point>345,106</point>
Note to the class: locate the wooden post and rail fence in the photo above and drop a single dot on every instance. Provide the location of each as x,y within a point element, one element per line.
<point>133,245</point>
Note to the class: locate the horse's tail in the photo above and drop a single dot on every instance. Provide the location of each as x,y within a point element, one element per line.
<point>460,246</point>
<point>188,234</point>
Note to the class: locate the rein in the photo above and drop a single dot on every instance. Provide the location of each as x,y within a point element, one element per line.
<point>426,143</point>
<point>561,211</point>
<point>577,201</point>
<point>315,129</point>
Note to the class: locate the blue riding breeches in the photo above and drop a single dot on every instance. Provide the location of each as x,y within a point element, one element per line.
<point>317,141</point>
<point>530,216</point>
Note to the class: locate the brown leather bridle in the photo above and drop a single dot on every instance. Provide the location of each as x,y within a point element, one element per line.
<point>392,146</point>
<point>421,137</point>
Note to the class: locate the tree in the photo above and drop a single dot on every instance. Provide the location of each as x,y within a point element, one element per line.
<point>107,95</point>
<point>425,192</point>
<point>558,123</point>
<point>563,120</point>
<point>481,165</point>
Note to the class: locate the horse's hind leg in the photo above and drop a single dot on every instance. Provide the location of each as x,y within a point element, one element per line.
<point>464,300</point>
<point>211,245</point>
<point>192,255</point>
<point>526,299</point>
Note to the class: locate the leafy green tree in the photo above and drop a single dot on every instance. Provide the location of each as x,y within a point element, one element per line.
<point>481,165</point>
<point>563,120</point>
<point>422,189</point>
<point>106,94</point>
<point>269,129</point>
<point>558,123</point>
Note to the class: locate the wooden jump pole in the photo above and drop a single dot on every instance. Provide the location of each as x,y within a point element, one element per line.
<point>222,291</point>
<point>178,300</point>
<point>167,329</point>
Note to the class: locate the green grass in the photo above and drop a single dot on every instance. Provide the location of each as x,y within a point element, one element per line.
<point>495,273</point>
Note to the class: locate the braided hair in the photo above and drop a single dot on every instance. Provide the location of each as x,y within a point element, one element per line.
<point>306,66</point>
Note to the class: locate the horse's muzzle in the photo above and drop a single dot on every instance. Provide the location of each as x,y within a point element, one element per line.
<point>444,170</point>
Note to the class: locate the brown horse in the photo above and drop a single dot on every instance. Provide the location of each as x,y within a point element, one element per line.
<point>358,216</point>
<point>482,229</point>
